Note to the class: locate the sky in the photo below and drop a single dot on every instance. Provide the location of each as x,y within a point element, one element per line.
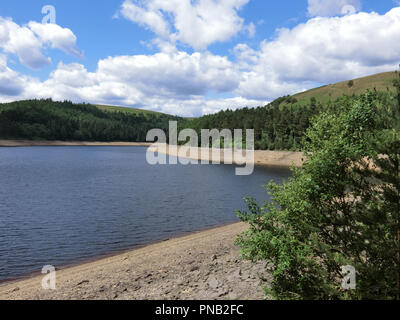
<point>190,57</point>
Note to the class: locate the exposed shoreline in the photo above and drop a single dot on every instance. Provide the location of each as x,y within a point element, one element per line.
<point>200,266</point>
<point>261,157</point>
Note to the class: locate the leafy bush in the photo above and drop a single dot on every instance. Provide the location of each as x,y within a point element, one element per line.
<point>342,208</point>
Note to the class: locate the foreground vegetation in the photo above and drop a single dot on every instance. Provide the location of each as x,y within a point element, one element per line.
<point>341,209</point>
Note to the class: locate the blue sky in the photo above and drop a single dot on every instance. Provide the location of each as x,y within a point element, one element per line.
<point>191,57</point>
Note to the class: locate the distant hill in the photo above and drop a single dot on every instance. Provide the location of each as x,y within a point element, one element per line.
<point>129,110</point>
<point>380,82</point>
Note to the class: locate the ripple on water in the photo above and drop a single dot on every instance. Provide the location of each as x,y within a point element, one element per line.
<point>64,205</point>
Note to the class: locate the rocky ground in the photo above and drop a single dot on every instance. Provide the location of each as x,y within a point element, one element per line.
<point>201,266</point>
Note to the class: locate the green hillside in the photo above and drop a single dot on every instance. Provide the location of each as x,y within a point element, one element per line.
<point>380,82</point>
<point>129,110</point>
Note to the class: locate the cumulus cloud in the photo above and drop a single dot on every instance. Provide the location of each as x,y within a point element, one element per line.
<point>9,84</point>
<point>151,19</point>
<point>22,42</point>
<point>13,85</point>
<point>175,82</point>
<point>27,42</point>
<point>176,74</point>
<point>137,88</point>
<point>197,24</point>
<point>323,50</point>
<point>56,37</point>
<point>326,8</point>
<point>142,80</point>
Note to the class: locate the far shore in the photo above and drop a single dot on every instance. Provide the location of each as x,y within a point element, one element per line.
<point>200,266</point>
<point>34,143</point>
<point>261,157</point>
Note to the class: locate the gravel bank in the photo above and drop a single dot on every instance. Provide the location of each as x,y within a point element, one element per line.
<point>200,266</point>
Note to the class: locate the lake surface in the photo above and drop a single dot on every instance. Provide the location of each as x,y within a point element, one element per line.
<point>63,205</point>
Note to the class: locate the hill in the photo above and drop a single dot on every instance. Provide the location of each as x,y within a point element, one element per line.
<point>129,110</point>
<point>49,120</point>
<point>382,82</point>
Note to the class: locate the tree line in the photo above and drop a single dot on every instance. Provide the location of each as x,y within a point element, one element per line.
<point>279,125</point>
<point>49,120</point>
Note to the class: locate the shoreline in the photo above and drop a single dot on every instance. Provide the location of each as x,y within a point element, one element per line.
<point>261,157</point>
<point>115,253</point>
<point>32,143</point>
<point>201,265</point>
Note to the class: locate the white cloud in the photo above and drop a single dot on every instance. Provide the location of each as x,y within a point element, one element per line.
<point>173,74</point>
<point>9,84</point>
<point>56,36</point>
<point>13,85</point>
<point>323,50</point>
<point>326,8</point>
<point>22,42</point>
<point>197,24</point>
<point>152,19</point>
<point>175,82</point>
<point>27,42</point>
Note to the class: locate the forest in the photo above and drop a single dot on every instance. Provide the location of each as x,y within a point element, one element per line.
<point>280,125</point>
<point>49,120</point>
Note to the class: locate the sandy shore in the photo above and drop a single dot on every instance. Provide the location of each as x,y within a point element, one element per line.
<point>30,143</point>
<point>261,158</point>
<point>204,265</point>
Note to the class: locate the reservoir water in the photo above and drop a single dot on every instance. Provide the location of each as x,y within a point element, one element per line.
<point>63,205</point>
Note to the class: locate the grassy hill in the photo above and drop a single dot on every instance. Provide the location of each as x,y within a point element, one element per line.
<point>380,82</point>
<point>129,110</point>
